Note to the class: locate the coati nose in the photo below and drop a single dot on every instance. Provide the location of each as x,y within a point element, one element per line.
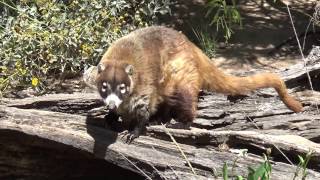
<point>112,101</point>
<point>111,105</point>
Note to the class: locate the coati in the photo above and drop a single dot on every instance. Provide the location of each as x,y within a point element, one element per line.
<point>156,72</point>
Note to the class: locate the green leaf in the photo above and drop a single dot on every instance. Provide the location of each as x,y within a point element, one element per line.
<point>301,160</point>
<point>251,173</point>
<point>261,173</point>
<point>240,178</point>
<point>225,171</point>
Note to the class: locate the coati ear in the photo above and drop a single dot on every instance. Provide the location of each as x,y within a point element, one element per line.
<point>101,67</point>
<point>89,76</point>
<point>129,69</point>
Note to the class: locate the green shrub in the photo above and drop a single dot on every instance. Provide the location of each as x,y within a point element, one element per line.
<point>206,41</point>
<point>42,40</point>
<point>224,15</point>
<point>262,172</point>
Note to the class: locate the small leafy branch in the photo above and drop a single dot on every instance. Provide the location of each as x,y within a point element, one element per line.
<point>224,15</point>
<point>206,41</point>
<point>263,172</point>
<point>303,162</point>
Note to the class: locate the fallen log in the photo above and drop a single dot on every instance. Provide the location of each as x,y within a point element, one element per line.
<point>61,136</point>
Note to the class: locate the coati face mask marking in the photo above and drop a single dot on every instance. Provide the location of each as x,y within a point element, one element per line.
<point>114,83</point>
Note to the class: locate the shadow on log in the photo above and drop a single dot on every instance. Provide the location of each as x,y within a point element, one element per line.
<point>63,136</point>
<point>25,156</point>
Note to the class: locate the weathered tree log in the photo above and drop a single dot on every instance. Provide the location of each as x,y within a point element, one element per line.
<point>65,136</point>
<point>58,124</point>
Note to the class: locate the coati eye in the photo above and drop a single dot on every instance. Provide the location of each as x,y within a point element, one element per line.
<point>123,88</point>
<point>105,86</point>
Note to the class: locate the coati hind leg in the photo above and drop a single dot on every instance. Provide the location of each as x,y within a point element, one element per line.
<point>183,109</point>
<point>182,89</point>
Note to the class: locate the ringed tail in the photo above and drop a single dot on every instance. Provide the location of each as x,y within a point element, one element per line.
<point>215,80</point>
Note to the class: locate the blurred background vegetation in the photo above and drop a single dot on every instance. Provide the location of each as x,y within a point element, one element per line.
<point>42,41</point>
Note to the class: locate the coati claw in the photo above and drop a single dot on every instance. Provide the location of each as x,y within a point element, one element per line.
<point>131,136</point>
<point>123,134</point>
<point>128,136</point>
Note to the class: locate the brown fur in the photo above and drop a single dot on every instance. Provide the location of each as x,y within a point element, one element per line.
<point>170,71</point>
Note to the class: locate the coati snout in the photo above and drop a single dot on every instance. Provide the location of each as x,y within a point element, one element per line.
<point>114,83</point>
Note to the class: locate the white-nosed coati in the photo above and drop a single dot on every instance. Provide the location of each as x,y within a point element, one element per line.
<point>157,71</point>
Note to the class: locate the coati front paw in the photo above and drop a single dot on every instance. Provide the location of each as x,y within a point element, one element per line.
<point>123,134</point>
<point>139,109</point>
<point>129,136</point>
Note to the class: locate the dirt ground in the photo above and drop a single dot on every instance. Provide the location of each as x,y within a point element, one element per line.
<point>267,39</point>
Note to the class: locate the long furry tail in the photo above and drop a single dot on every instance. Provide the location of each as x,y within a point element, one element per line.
<point>215,80</point>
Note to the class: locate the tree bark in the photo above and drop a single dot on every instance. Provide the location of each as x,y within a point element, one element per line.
<point>61,136</point>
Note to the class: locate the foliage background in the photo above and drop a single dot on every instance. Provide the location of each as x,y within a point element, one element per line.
<point>42,40</point>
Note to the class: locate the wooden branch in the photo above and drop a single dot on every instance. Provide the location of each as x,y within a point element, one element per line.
<point>65,136</point>
<point>63,119</point>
